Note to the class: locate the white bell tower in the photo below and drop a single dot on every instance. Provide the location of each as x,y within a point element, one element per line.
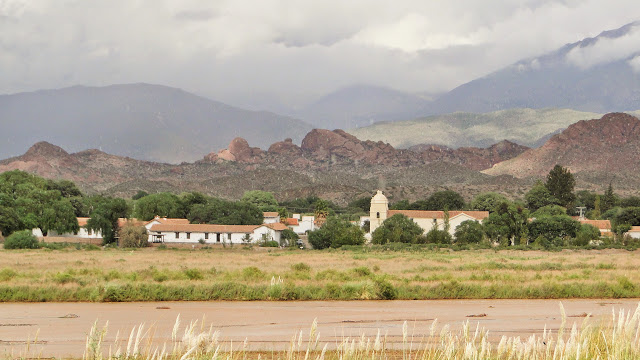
<point>378,211</point>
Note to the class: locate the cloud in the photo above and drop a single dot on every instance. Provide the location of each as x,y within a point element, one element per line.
<point>242,51</point>
<point>606,49</point>
<point>635,64</point>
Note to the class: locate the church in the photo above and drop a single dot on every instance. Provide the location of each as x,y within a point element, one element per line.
<point>427,220</point>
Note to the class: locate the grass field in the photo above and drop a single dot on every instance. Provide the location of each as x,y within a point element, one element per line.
<point>261,274</point>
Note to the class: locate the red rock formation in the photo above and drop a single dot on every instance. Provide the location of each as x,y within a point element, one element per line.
<point>609,144</point>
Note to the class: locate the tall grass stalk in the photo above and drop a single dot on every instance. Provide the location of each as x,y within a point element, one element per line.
<point>613,338</point>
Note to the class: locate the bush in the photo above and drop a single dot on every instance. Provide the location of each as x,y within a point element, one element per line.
<point>336,233</point>
<point>301,267</point>
<point>469,232</point>
<point>270,243</point>
<point>435,236</point>
<point>289,237</point>
<point>398,228</point>
<point>21,240</point>
<point>132,236</point>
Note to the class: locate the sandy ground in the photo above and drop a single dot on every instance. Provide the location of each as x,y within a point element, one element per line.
<point>61,328</point>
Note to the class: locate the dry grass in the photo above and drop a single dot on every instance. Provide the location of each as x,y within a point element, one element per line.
<point>463,274</point>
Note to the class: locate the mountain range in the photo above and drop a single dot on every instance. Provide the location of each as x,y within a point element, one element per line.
<point>143,121</point>
<point>337,166</point>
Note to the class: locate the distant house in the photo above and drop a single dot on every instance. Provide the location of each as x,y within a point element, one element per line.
<point>603,225</point>
<point>166,221</point>
<point>427,220</point>
<point>271,217</point>
<point>215,234</point>
<point>301,224</point>
<point>83,233</point>
<point>634,232</point>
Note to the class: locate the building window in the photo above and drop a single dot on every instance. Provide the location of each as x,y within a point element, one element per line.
<point>177,235</point>
<point>378,215</point>
<point>188,235</point>
<point>206,236</point>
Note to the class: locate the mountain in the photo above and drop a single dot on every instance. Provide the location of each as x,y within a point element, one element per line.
<point>331,164</point>
<point>149,122</point>
<point>362,105</point>
<point>600,74</point>
<point>599,150</point>
<point>522,126</point>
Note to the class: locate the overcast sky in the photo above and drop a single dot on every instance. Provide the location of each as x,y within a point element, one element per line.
<point>289,51</point>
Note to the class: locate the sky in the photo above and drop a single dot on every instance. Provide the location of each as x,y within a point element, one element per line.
<point>271,53</point>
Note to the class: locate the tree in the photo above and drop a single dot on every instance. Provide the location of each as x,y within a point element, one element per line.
<point>631,201</point>
<point>469,232</point>
<point>609,199</point>
<point>361,204</point>
<point>321,210</point>
<point>587,233</point>
<point>487,201</point>
<point>549,210</point>
<point>335,233</point>
<point>264,200</point>
<point>539,196</point>
<point>288,237</point>
<point>436,236</point>
<point>222,212</point>
<point>139,195</point>
<point>132,236</point>
<point>283,214</point>
<point>36,203</point>
<point>398,228</point>
<point>561,183</point>
<point>447,199</point>
<point>161,204</point>
<point>105,218</point>
<point>401,205</point>
<point>555,229</point>
<point>630,216</point>
<point>508,224</point>
<point>21,240</point>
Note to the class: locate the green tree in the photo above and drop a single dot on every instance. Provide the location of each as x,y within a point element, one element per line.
<point>597,212</point>
<point>587,233</point>
<point>362,204</point>
<point>549,210</point>
<point>104,218</point>
<point>288,238</point>
<point>23,239</point>
<point>264,200</point>
<point>487,201</point>
<point>556,229</point>
<point>508,224</point>
<point>139,195</point>
<point>609,199</point>
<point>539,196</point>
<point>161,204</point>
<point>629,216</point>
<point>561,183</point>
<point>9,220</point>
<point>447,199</point>
<point>335,233</point>
<point>437,236</point>
<point>398,228</point>
<point>132,236</point>
<point>222,212</point>
<point>401,205</point>
<point>321,210</point>
<point>469,232</point>
<point>631,201</point>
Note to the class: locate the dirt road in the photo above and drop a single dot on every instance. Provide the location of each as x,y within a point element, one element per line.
<point>61,328</point>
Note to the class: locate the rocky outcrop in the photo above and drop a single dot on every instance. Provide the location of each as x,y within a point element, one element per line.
<point>472,157</point>
<point>610,144</point>
<point>238,150</point>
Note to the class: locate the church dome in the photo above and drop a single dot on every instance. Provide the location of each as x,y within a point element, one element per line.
<point>379,198</point>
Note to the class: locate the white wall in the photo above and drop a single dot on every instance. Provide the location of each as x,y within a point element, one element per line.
<point>306,223</point>
<point>83,233</point>
<point>213,238</point>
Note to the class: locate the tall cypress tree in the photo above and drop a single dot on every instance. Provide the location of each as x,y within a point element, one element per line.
<point>561,183</point>
<point>609,199</point>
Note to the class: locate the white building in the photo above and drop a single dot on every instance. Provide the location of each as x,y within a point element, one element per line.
<point>271,217</point>
<point>634,232</point>
<point>427,220</point>
<point>301,224</point>
<point>215,234</point>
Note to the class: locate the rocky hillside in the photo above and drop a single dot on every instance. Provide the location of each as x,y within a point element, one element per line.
<point>596,150</point>
<point>143,121</point>
<point>331,164</point>
<point>331,149</point>
<point>522,126</point>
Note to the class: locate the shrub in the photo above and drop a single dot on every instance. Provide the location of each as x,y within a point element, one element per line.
<point>335,233</point>
<point>289,237</point>
<point>469,232</point>
<point>301,267</point>
<point>132,236</point>
<point>385,290</point>
<point>435,236</point>
<point>194,274</point>
<point>398,228</point>
<point>21,240</point>
<point>270,243</point>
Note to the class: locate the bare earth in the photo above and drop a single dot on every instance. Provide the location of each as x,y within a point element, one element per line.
<point>61,328</point>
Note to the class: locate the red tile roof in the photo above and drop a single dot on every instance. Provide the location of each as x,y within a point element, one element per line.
<point>204,228</point>
<point>291,222</point>
<point>270,214</point>
<point>276,226</point>
<point>422,214</point>
<point>600,224</point>
<point>635,229</point>
<point>169,221</point>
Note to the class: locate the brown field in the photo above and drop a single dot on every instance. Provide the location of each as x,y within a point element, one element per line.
<point>445,274</point>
